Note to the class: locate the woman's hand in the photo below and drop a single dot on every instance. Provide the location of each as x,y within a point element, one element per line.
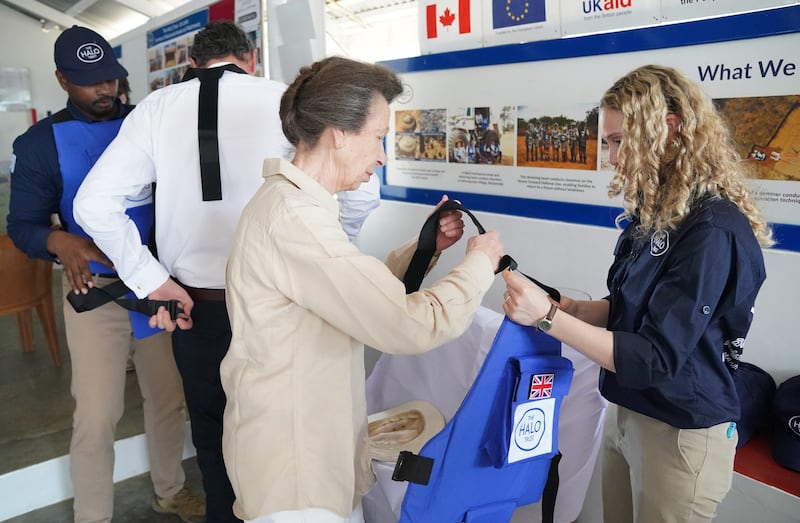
<point>488,243</point>
<point>450,229</point>
<point>524,302</point>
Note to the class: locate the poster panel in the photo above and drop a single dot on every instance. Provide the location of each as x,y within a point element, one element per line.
<point>169,48</point>
<point>678,10</point>
<point>592,16</point>
<point>519,21</point>
<point>528,130</point>
<point>449,25</point>
<point>248,15</point>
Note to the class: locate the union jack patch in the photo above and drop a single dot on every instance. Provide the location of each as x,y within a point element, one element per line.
<point>541,386</point>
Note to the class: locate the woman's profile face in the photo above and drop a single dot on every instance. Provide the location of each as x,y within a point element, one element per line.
<point>611,132</point>
<point>363,150</point>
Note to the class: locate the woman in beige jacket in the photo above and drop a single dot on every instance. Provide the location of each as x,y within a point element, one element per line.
<point>303,300</point>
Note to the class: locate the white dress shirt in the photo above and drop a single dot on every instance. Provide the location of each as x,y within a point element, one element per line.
<point>158,143</point>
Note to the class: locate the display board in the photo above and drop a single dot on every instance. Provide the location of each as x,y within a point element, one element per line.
<point>169,46</point>
<point>466,120</point>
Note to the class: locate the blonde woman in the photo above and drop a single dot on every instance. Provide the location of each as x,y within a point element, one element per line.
<point>687,269</point>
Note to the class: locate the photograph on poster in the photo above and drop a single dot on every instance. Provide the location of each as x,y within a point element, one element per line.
<point>171,54</point>
<point>481,135</point>
<point>559,142</point>
<point>766,130</point>
<point>421,135</point>
<point>156,59</point>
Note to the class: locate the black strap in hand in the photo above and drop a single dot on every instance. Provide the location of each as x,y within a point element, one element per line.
<point>98,296</point>
<point>426,248</point>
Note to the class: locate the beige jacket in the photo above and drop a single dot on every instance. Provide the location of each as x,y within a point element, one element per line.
<point>303,300</point>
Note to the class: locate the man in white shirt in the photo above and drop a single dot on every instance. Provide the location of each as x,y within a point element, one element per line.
<point>206,164</point>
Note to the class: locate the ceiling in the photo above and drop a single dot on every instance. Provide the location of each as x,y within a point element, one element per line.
<point>112,18</point>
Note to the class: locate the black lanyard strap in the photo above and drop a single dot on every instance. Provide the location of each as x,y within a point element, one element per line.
<point>426,248</point>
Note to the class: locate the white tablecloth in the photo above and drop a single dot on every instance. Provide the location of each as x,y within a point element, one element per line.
<point>443,377</point>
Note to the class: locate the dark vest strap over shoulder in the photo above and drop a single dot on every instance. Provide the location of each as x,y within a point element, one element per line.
<point>207,120</point>
<point>426,248</point>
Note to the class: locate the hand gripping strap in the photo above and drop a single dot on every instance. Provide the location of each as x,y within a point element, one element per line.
<point>98,296</point>
<point>426,248</point>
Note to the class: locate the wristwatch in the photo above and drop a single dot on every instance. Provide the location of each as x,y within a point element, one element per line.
<point>545,323</point>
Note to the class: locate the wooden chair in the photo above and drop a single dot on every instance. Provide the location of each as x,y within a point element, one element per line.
<point>26,284</point>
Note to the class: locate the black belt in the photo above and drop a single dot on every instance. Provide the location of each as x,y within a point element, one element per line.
<point>205,294</point>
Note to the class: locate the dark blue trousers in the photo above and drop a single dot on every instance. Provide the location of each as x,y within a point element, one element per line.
<point>198,354</point>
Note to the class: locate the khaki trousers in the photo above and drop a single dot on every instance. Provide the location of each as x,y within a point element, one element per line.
<point>655,473</point>
<point>310,515</point>
<point>100,342</point>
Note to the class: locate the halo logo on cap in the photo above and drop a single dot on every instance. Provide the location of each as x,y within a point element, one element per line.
<point>90,53</point>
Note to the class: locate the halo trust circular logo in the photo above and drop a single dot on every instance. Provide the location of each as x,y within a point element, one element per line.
<point>90,53</point>
<point>530,429</point>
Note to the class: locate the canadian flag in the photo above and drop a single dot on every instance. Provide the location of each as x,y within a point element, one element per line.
<point>441,14</point>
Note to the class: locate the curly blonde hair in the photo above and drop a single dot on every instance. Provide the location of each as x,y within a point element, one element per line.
<point>660,182</point>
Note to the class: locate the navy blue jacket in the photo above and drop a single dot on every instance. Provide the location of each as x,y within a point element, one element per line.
<point>681,305</point>
<point>37,186</point>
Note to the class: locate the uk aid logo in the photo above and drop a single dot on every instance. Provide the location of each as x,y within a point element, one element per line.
<point>90,53</point>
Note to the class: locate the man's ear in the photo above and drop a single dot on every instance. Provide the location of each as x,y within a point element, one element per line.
<point>62,80</point>
<point>252,62</point>
<point>193,62</point>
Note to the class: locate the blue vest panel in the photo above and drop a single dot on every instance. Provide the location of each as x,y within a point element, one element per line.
<point>494,454</point>
<point>79,145</point>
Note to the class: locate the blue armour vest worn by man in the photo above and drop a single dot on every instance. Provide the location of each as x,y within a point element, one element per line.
<point>497,451</point>
<point>79,145</point>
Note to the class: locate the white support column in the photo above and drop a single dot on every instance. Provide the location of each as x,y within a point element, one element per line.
<point>295,36</point>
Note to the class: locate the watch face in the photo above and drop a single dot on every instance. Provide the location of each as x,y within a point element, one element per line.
<point>545,324</point>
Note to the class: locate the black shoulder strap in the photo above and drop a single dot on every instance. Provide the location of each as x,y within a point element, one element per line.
<point>63,116</point>
<point>426,248</point>
<point>207,119</point>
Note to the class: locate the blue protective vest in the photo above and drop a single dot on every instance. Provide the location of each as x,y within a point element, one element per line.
<point>79,145</point>
<point>496,453</point>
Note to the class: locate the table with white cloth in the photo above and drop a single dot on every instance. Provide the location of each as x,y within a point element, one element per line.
<point>444,375</point>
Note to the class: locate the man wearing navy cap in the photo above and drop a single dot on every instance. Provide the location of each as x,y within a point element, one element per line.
<point>48,165</point>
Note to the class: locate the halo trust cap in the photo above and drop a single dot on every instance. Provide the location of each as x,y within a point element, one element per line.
<point>786,416</point>
<point>86,58</point>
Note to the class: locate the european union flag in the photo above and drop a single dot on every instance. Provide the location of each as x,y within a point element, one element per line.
<point>506,13</point>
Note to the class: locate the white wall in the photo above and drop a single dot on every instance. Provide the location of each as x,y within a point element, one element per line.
<point>578,256</point>
<point>24,44</point>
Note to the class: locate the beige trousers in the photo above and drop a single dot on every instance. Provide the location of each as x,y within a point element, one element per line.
<point>655,473</point>
<point>100,342</point>
<point>310,515</point>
